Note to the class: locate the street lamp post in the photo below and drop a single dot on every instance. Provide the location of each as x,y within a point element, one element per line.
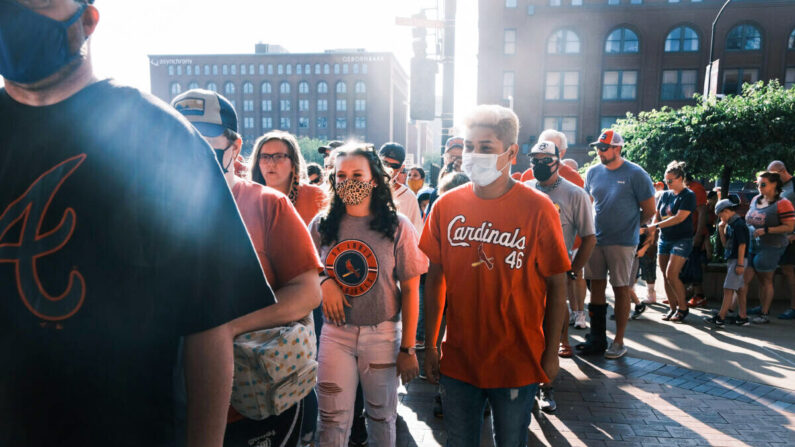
<point>712,48</point>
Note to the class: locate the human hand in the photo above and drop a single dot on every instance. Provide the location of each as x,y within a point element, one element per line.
<point>431,364</point>
<point>333,302</point>
<point>407,367</point>
<point>739,269</point>
<point>549,362</point>
<point>759,232</point>
<point>240,167</point>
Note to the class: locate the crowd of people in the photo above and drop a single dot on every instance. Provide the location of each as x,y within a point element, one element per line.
<point>138,249</point>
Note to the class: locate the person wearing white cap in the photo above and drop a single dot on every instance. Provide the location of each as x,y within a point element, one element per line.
<point>623,197</point>
<point>576,218</point>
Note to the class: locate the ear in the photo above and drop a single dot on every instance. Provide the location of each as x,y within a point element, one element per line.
<point>90,20</point>
<point>513,152</point>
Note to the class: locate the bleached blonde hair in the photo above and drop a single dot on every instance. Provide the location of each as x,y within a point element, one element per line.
<point>557,137</point>
<point>502,120</point>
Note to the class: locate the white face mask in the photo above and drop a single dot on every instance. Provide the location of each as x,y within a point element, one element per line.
<point>481,168</point>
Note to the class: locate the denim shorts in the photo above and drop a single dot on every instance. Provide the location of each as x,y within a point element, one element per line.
<point>679,247</point>
<point>765,259</point>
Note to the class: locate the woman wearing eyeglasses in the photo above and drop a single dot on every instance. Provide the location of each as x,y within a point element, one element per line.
<point>370,299</point>
<point>277,162</point>
<point>770,218</point>
<point>674,218</point>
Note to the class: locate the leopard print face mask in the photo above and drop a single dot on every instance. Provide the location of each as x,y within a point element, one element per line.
<point>353,192</point>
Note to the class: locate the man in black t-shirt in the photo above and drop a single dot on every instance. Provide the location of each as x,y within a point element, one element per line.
<point>114,215</point>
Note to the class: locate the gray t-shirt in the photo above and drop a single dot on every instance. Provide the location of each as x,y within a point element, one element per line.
<point>574,206</point>
<point>788,192</point>
<point>367,266</point>
<point>617,195</point>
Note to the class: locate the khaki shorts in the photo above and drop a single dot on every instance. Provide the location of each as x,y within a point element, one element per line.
<point>617,259</point>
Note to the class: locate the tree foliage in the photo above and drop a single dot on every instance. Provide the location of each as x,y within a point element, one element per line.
<point>734,136</point>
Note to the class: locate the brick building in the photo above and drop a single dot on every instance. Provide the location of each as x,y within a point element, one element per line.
<point>578,65</point>
<point>330,95</point>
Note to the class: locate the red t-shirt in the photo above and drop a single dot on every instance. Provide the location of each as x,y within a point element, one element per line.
<point>701,199</point>
<point>495,256</point>
<point>565,171</point>
<point>311,199</point>
<point>281,239</point>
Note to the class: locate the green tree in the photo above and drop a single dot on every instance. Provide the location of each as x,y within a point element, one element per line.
<point>309,149</point>
<point>736,136</point>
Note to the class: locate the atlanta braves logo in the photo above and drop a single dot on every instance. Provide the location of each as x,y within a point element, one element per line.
<point>34,243</point>
<point>354,266</point>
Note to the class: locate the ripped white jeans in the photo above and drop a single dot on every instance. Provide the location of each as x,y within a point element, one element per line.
<point>348,354</point>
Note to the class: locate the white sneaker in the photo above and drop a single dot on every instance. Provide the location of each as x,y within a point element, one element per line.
<point>615,351</point>
<point>580,322</point>
<point>572,317</point>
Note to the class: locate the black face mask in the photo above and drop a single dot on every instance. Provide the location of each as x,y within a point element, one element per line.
<point>542,172</point>
<point>219,154</point>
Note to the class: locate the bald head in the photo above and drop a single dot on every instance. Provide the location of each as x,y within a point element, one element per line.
<point>780,168</point>
<point>557,137</point>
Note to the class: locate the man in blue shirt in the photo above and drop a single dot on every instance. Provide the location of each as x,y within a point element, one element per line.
<point>623,197</point>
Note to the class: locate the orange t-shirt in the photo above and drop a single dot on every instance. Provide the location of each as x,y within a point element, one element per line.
<point>701,199</point>
<point>311,199</point>
<point>281,239</point>
<point>495,256</point>
<point>565,171</point>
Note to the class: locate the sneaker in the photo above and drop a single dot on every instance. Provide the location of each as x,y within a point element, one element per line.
<point>697,301</point>
<point>649,300</point>
<point>741,321</point>
<point>639,309</point>
<point>615,351</point>
<point>755,310</point>
<point>437,407</point>
<point>715,320</point>
<point>580,322</point>
<point>760,319</point>
<point>788,315</point>
<point>546,400</point>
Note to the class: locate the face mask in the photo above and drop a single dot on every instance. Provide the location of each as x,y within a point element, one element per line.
<point>32,46</point>
<point>353,192</point>
<point>543,172</point>
<point>219,155</point>
<point>415,184</point>
<point>481,168</point>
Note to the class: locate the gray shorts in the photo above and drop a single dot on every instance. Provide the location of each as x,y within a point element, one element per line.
<point>733,281</point>
<point>617,259</point>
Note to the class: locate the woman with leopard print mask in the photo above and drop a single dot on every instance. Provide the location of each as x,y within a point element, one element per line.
<point>370,298</point>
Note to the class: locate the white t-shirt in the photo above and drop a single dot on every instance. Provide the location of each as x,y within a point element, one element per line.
<point>406,203</point>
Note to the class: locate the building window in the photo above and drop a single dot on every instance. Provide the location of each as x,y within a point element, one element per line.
<point>531,10</point>
<point>248,105</point>
<point>243,69</point>
<point>555,2</point>
<point>171,70</point>
<point>193,84</point>
<point>673,1</point>
<point>307,69</point>
<point>510,3</point>
<point>678,84</point>
<point>789,78</point>
<point>342,123</point>
<point>341,87</point>
<point>303,122</point>
<point>284,123</point>
<point>509,46</point>
<point>336,69</point>
<point>248,88</point>
<point>613,2</point>
<point>607,122</point>
<point>326,69</point>
<point>251,69</point>
<point>682,38</point>
<point>280,69</point>
<point>317,69</point>
<point>744,38</point>
<point>299,70</point>
<point>562,85</point>
<point>303,105</point>
<point>344,68</point>
<point>270,69</point>
<point>248,122</point>
<point>342,105</point>
<point>229,88</point>
<point>234,103</point>
<point>284,87</point>
<point>355,68</point>
<point>563,42</point>
<point>189,70</point>
<point>176,89</point>
<point>211,86</point>
<point>267,105</point>
<point>360,122</point>
<point>233,69</point>
<point>197,70</point>
<point>791,42</point>
<point>207,70</point>
<point>622,40</point>
<point>565,124</point>
<point>322,105</point>
<point>637,2</point>
<point>576,2</point>
<point>322,122</point>
<point>179,70</point>
<point>266,88</point>
<point>267,123</point>
<point>262,69</point>
<point>620,85</point>
<point>733,79</point>
<point>225,69</point>
<point>215,70</point>
<point>289,69</point>
<point>360,87</point>
<point>303,87</point>
<point>507,84</point>
<point>284,105</point>
<point>322,87</point>
<point>360,105</point>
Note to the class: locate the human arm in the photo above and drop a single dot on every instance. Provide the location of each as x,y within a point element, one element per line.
<point>701,225</point>
<point>334,301</point>
<point>722,232</point>
<point>647,210</point>
<point>786,227</point>
<point>647,242</point>
<point>553,323</point>
<point>407,366</point>
<point>208,379</point>
<point>435,288</point>
<point>740,259</point>
<point>583,253</point>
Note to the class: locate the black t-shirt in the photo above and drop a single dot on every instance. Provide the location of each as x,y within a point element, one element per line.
<point>670,203</point>
<point>736,235</point>
<point>118,234</point>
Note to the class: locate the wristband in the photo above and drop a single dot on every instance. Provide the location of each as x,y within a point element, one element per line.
<point>409,351</point>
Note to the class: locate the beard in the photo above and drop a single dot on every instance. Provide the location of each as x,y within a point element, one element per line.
<point>607,161</point>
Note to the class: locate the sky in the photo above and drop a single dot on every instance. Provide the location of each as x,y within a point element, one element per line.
<point>128,31</point>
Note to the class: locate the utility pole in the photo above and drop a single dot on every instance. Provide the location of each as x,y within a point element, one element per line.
<point>712,49</point>
<point>448,67</point>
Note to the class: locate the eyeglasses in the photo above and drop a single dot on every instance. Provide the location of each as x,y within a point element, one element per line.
<point>545,160</point>
<point>275,158</point>
<point>669,180</point>
<point>391,165</point>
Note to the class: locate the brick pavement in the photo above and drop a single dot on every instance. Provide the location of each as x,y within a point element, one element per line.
<point>632,402</point>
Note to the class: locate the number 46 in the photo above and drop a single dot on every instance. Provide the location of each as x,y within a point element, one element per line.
<point>515,259</point>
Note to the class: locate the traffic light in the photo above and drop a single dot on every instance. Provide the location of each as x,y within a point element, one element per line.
<point>419,43</point>
<point>423,89</point>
